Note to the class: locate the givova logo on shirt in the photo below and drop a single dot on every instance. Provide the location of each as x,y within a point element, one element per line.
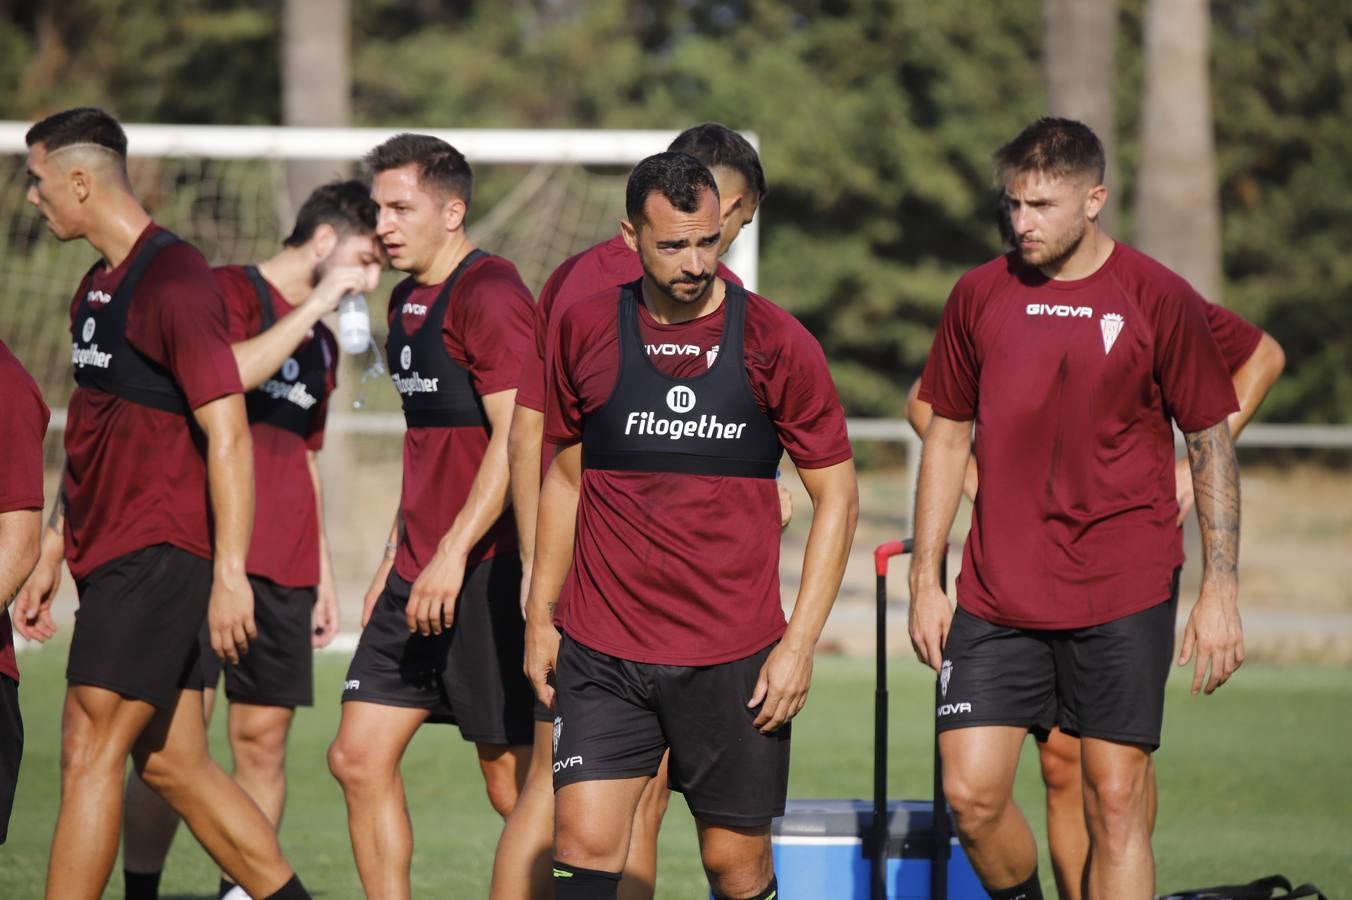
<point>1059,310</point>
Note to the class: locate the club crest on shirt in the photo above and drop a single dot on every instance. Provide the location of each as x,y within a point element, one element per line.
<point>945,673</point>
<point>710,357</point>
<point>1111,326</point>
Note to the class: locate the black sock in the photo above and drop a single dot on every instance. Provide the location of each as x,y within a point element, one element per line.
<point>225,887</point>
<point>1029,889</point>
<point>573,883</point>
<point>141,885</point>
<point>771,891</point>
<point>292,890</point>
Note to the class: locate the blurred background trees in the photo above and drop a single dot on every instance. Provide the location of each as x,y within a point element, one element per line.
<point>876,119</point>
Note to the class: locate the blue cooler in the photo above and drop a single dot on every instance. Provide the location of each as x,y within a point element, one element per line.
<point>820,849</point>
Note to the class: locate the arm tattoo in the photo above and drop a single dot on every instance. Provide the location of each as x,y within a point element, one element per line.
<point>1215,485</point>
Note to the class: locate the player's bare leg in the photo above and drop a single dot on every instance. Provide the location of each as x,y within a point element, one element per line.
<point>979,766</point>
<point>365,758</point>
<point>171,756</point>
<point>737,861</point>
<point>1117,810</point>
<point>1067,834</point>
<point>521,866</point>
<point>98,728</point>
<point>640,867</point>
<point>504,769</point>
<point>258,743</point>
<point>149,823</point>
<point>593,821</point>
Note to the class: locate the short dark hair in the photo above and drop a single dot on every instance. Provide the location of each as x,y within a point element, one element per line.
<point>1054,147</point>
<point>718,145</point>
<point>440,166</point>
<point>345,206</point>
<point>678,177</point>
<point>82,125</point>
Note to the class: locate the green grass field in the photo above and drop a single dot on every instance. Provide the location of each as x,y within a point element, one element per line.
<point>1255,780</point>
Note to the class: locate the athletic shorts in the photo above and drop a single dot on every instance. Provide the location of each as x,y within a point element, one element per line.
<point>615,718</point>
<point>469,675</point>
<point>11,748</point>
<point>136,629</point>
<point>1104,681</point>
<point>278,670</point>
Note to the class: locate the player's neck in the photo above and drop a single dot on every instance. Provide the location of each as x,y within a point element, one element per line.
<point>291,272</point>
<point>115,229</point>
<point>447,257</point>
<point>666,311</point>
<point>1089,256</point>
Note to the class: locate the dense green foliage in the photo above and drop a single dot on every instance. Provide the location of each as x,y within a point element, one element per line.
<point>877,120</point>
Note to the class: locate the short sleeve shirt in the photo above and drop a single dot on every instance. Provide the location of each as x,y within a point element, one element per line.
<point>675,568</point>
<point>486,330</point>
<point>23,423</point>
<point>1072,385</point>
<point>285,543</point>
<point>136,476</point>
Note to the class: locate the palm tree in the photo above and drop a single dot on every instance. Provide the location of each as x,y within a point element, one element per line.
<point>1177,208</point>
<point>316,81</point>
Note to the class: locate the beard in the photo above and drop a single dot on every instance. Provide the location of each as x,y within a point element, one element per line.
<point>1052,253</point>
<point>685,290</point>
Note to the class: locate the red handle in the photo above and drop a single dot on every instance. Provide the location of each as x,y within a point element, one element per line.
<point>883,552</point>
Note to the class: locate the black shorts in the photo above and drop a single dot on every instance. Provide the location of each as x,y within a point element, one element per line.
<point>136,629</point>
<point>469,675</point>
<point>616,718</point>
<point>11,747</point>
<point>278,670</point>
<point>1104,681</point>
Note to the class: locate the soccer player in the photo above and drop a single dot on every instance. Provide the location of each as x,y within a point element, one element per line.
<point>443,636</point>
<point>660,512</point>
<point>157,391</point>
<point>1071,354</point>
<point>288,362</point>
<point>521,867</point>
<point>1255,361</point>
<point>23,422</point>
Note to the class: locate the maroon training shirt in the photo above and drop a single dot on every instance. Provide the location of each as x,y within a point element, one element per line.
<point>608,264</point>
<point>1236,337</point>
<point>285,544</point>
<point>135,476</point>
<point>682,569</point>
<point>487,330</point>
<point>23,422</point>
<point>1073,385</point>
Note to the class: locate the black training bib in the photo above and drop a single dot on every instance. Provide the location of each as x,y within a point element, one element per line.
<point>100,352</point>
<point>291,398</point>
<point>706,425</point>
<point>435,390</point>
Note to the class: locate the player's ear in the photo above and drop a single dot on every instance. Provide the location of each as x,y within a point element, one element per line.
<point>630,233</point>
<point>81,183</point>
<point>727,205</point>
<point>325,240</point>
<point>453,213</point>
<point>1094,201</point>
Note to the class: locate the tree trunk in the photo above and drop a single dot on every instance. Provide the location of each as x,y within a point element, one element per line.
<point>316,82</point>
<point>1177,208</point>
<point>1080,69</point>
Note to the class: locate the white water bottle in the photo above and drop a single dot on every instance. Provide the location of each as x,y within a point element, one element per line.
<point>354,324</point>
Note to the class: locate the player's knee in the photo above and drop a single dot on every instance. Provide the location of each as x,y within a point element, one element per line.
<point>738,874</point>
<point>165,772</point>
<point>1115,802</point>
<point>350,766</point>
<point>1059,772</point>
<point>502,791</point>
<point>259,747</point>
<point>976,803</point>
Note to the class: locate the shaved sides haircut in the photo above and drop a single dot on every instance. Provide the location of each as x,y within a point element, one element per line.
<point>718,146</point>
<point>83,125</point>
<point>1059,148</point>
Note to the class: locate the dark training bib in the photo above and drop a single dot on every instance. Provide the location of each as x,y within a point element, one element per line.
<point>292,398</point>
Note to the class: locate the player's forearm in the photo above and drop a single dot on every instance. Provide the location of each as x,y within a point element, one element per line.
<point>920,414</point>
<point>835,512</point>
<point>525,444</point>
<point>325,559</point>
<point>1254,379</point>
<point>554,536</point>
<point>942,464</point>
<point>56,522</point>
<point>259,357</point>
<point>230,480</point>
<point>20,545</point>
<point>1215,484</point>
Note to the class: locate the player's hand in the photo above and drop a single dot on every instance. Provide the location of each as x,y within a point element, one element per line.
<point>368,603</point>
<point>1183,489</point>
<point>325,616</point>
<point>929,620</point>
<point>1215,635</point>
<point>785,505</point>
<point>542,654</point>
<point>781,688</point>
<point>33,603</point>
<point>230,615</point>
<point>336,284</point>
<point>431,603</point>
